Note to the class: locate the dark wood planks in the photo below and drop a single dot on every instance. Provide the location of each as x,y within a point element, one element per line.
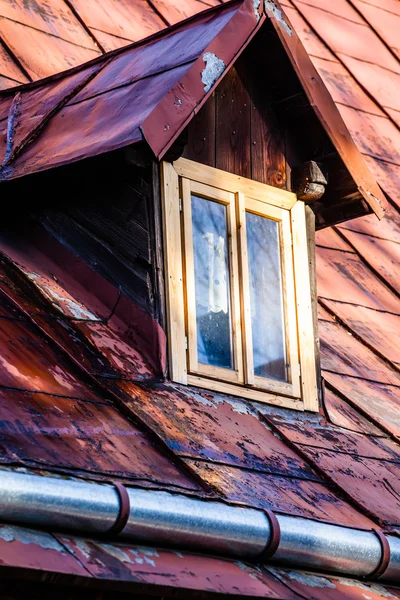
<point>236,130</point>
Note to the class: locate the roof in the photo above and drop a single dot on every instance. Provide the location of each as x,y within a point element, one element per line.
<point>150,91</point>
<point>157,570</point>
<point>79,397</point>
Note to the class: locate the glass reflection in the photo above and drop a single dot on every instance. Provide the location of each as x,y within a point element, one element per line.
<point>211,273</point>
<point>266,297</point>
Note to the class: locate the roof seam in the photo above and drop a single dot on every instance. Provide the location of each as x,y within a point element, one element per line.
<point>120,37</point>
<point>49,33</point>
<point>11,79</point>
<point>358,305</point>
<point>330,482</point>
<point>337,54</point>
<point>158,13</point>
<point>349,453</point>
<point>380,8</point>
<point>363,259</point>
<point>367,415</point>
<point>15,59</point>
<point>393,385</point>
<point>330,12</point>
<point>367,233</point>
<point>249,469</point>
<point>131,82</point>
<point>368,22</point>
<point>54,395</point>
<point>83,24</point>
<point>359,337</point>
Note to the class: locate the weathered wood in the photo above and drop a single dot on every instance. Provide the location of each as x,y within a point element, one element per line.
<point>156,245</point>
<point>173,273</point>
<point>304,308</point>
<point>233,124</point>
<point>201,135</point>
<point>309,181</point>
<point>310,224</point>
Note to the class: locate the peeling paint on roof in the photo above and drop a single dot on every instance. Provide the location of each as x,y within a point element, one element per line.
<point>213,69</point>
<point>278,15</point>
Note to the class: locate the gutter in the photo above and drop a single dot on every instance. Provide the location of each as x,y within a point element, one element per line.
<point>169,519</point>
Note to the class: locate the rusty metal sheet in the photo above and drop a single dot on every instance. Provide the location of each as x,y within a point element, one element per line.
<point>388,175</point>
<point>315,433</point>
<point>342,353</point>
<point>67,285</point>
<point>314,46</point>
<point>388,229</point>
<point>380,83</point>
<point>363,128</point>
<point>170,50</point>
<point>378,329</point>
<point>69,288</point>
<point>123,19</point>
<point>10,70</point>
<point>110,121</point>
<point>28,362</point>
<point>285,495</point>
<point>358,285</point>
<point>383,255</point>
<point>222,429</point>
<point>378,401</point>
<point>329,238</point>
<point>52,55</point>
<point>54,18</point>
<point>120,345</point>
<point>178,10</point>
<point>36,550</point>
<point>35,107</point>
<point>372,484</point>
<point>355,39</point>
<point>88,437</point>
<point>342,414</point>
<point>169,569</point>
<point>343,88</point>
<point>327,587</point>
<point>324,315</point>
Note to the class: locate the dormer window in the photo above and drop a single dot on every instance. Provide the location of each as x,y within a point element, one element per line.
<point>238,287</point>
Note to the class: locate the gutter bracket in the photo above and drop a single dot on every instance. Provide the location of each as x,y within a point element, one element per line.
<point>385,557</point>
<point>275,538</point>
<point>124,510</point>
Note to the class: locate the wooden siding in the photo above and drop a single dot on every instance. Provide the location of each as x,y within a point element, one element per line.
<point>236,130</point>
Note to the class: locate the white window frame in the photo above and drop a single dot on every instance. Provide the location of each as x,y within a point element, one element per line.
<point>179,181</point>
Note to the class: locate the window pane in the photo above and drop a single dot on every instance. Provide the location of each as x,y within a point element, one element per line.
<point>267,317</point>
<point>211,272</point>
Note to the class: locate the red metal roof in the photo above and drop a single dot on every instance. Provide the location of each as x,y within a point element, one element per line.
<point>150,91</point>
<point>157,570</point>
<point>61,411</point>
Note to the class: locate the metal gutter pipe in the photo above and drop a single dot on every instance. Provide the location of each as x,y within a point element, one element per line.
<point>163,518</point>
